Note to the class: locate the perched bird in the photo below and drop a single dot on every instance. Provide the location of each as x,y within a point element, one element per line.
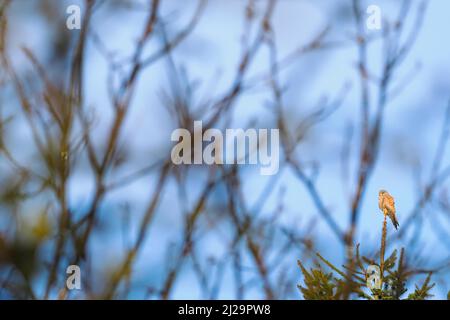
<point>387,205</point>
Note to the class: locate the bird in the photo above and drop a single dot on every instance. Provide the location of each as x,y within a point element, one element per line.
<point>386,204</point>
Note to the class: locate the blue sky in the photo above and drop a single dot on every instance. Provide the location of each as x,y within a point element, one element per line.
<point>210,55</point>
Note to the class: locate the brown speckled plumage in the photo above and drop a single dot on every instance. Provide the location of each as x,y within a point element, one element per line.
<point>386,204</point>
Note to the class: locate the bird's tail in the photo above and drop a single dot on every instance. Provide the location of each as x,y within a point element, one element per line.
<point>395,222</point>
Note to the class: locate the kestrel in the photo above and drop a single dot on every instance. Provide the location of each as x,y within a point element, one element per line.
<point>387,205</point>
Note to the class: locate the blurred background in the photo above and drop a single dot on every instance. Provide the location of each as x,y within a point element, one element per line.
<point>86,118</point>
